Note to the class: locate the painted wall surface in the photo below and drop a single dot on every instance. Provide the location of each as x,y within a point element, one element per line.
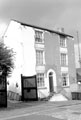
<point>29,54</point>
<point>11,39</point>
<point>21,39</point>
<point>52,55</point>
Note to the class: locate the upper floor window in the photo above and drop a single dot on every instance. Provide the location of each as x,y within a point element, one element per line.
<point>65,79</point>
<point>62,41</point>
<point>40,80</point>
<point>38,36</point>
<point>63,59</point>
<point>39,57</point>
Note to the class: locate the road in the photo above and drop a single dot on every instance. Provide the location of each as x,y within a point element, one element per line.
<point>45,111</point>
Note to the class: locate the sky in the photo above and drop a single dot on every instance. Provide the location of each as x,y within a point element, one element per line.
<point>51,14</point>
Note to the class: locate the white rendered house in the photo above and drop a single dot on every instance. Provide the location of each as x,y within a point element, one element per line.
<point>42,52</point>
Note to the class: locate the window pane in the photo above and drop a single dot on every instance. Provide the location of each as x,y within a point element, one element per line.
<point>39,57</point>
<point>38,36</point>
<point>62,41</point>
<point>40,79</point>
<point>65,79</point>
<point>63,59</point>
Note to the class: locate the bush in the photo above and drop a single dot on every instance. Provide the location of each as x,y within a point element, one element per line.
<point>6,59</point>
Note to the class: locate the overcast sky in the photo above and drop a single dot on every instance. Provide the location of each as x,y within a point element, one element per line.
<point>51,14</point>
<point>45,13</point>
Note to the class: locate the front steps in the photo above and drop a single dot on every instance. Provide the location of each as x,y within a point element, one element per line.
<point>55,97</point>
<point>58,97</point>
<point>48,98</point>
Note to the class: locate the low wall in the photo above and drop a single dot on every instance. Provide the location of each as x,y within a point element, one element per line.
<point>13,96</point>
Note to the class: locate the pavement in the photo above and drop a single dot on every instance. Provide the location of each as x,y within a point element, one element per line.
<point>22,104</point>
<point>42,110</point>
<point>12,104</point>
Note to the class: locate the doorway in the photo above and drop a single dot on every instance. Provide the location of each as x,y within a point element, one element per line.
<point>51,87</point>
<point>51,75</point>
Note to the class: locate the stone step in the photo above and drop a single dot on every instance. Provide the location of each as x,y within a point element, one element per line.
<point>58,97</point>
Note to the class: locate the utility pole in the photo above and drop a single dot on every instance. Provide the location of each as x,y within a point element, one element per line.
<point>79,49</point>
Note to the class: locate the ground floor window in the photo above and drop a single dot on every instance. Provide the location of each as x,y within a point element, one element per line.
<point>65,79</point>
<point>40,80</point>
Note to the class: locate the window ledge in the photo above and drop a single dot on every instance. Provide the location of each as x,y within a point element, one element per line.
<point>38,65</point>
<point>66,86</point>
<point>63,46</point>
<point>39,42</point>
<point>64,65</point>
<point>42,87</point>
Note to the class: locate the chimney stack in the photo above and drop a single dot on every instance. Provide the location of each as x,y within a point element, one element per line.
<point>61,30</point>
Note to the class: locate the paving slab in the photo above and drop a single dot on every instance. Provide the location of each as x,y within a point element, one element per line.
<point>19,104</point>
<point>45,110</point>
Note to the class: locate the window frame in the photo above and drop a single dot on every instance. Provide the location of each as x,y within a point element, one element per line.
<point>40,80</point>
<point>63,43</point>
<point>65,83</point>
<point>39,57</point>
<point>39,36</point>
<point>63,59</point>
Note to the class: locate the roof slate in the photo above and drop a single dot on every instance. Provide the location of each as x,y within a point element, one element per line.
<point>45,29</point>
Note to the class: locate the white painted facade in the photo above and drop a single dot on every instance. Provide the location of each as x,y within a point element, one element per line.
<point>21,39</point>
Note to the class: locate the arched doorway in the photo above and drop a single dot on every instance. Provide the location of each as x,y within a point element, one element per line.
<point>52,80</point>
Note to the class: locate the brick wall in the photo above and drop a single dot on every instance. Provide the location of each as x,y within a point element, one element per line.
<point>71,60</point>
<point>52,54</point>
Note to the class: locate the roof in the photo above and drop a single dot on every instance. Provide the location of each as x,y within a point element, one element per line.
<point>45,29</point>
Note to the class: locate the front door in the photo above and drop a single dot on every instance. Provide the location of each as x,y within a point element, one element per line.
<point>51,86</point>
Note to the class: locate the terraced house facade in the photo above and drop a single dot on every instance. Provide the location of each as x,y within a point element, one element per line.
<point>46,53</point>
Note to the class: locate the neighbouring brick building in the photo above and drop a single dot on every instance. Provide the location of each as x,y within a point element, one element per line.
<point>46,53</point>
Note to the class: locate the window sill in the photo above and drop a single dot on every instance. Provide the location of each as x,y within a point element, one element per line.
<point>63,46</point>
<point>42,87</point>
<point>64,65</point>
<point>37,65</point>
<point>39,42</point>
<point>66,86</point>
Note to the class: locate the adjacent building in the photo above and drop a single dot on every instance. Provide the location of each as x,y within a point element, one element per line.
<point>46,53</point>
